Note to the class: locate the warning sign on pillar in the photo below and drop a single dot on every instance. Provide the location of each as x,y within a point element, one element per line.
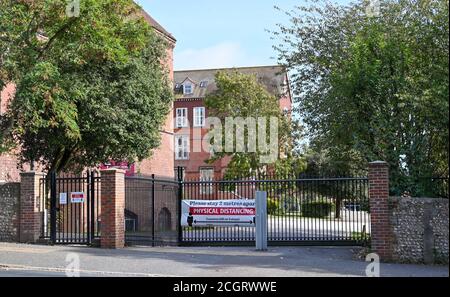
<point>77,197</point>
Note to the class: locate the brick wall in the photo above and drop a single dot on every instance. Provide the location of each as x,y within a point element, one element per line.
<point>412,230</point>
<point>30,215</point>
<point>112,208</point>
<point>379,215</point>
<point>8,168</point>
<point>9,212</point>
<point>162,160</point>
<point>419,229</point>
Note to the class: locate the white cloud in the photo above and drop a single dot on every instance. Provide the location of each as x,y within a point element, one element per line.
<point>222,55</point>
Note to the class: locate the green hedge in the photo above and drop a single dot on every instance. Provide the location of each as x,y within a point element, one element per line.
<point>317,209</point>
<point>273,206</point>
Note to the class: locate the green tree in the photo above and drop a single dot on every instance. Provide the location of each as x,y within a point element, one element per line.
<point>373,87</point>
<point>241,95</point>
<point>89,88</point>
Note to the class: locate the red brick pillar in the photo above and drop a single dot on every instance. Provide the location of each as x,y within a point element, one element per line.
<point>30,217</point>
<point>379,212</point>
<point>112,209</point>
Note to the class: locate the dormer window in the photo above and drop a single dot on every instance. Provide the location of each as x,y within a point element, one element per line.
<point>187,89</point>
<point>203,84</point>
<point>178,88</point>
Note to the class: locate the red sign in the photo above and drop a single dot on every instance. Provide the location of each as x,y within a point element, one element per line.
<point>129,169</point>
<point>77,197</point>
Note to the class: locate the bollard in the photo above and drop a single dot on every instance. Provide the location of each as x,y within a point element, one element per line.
<point>261,221</point>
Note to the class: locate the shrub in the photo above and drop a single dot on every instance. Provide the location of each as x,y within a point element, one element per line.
<point>361,237</point>
<point>289,204</point>
<point>316,209</point>
<point>273,206</point>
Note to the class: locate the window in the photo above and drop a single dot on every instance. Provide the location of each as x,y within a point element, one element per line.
<point>199,116</point>
<point>206,174</point>
<point>203,84</point>
<point>181,147</point>
<point>182,117</point>
<point>188,89</point>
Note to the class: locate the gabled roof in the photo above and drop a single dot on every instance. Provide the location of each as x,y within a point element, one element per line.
<point>272,77</point>
<point>157,26</point>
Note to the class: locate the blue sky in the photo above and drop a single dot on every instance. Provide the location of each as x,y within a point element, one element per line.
<point>220,33</point>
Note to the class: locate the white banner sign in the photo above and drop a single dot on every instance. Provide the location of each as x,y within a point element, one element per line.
<point>62,198</point>
<point>197,213</point>
<point>77,197</point>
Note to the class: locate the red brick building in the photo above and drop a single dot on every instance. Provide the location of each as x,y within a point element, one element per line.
<point>161,163</point>
<point>191,88</point>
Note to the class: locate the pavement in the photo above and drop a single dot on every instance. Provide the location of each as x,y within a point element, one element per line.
<point>43,261</point>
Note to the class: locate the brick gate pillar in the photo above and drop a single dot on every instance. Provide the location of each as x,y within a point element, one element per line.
<point>30,217</point>
<point>112,209</point>
<point>379,209</point>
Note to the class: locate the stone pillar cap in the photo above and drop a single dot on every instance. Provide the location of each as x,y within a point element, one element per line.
<point>379,162</point>
<point>113,170</point>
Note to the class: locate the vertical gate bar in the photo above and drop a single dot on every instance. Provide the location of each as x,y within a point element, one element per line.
<point>77,189</point>
<point>338,221</point>
<point>88,207</point>
<point>348,214</point>
<point>97,207</point>
<point>316,222</point>
<point>85,208</point>
<point>344,222</point>
<point>80,188</point>
<point>58,211</point>
<point>320,220</point>
<point>349,211</point>
<point>66,210</point>
<point>354,198</point>
<point>307,198</point>
<point>92,219</point>
<point>291,208</point>
<point>153,209</point>
<point>53,207</point>
<point>180,198</point>
<point>70,230</point>
<point>344,215</point>
<point>331,233</point>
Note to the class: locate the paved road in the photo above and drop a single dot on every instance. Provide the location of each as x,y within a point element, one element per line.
<point>33,260</point>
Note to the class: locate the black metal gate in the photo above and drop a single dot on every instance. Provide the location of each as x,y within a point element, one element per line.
<point>306,211</point>
<point>151,211</point>
<point>70,208</point>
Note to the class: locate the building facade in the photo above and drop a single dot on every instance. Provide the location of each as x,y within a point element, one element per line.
<point>161,161</point>
<point>190,113</point>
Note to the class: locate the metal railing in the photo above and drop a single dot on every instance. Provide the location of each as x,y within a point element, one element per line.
<point>64,221</point>
<point>300,211</point>
<point>151,210</point>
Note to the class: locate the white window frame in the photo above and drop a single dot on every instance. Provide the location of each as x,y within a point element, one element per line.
<point>182,120</point>
<point>206,188</point>
<point>199,118</point>
<point>183,148</point>
<point>191,88</point>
